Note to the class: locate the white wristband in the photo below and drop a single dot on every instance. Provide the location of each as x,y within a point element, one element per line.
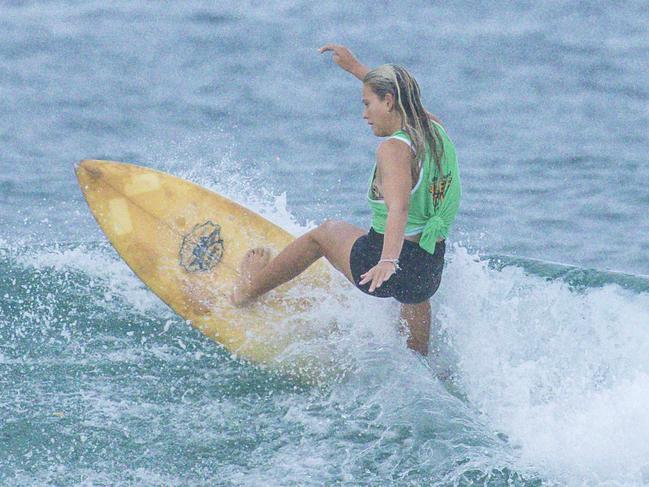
<point>395,262</point>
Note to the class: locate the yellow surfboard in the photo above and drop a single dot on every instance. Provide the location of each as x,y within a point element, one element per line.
<point>186,242</point>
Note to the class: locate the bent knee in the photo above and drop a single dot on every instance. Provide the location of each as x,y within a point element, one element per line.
<point>328,227</point>
<point>328,232</point>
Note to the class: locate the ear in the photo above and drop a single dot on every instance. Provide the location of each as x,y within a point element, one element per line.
<point>389,99</point>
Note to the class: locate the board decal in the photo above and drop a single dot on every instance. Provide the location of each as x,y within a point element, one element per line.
<point>202,248</point>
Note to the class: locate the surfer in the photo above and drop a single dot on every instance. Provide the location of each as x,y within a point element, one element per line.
<point>414,193</point>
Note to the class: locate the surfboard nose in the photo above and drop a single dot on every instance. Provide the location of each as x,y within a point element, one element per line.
<point>88,168</point>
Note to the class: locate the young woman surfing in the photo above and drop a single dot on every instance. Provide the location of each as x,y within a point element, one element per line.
<point>414,194</point>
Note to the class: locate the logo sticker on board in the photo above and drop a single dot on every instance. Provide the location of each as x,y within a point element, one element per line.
<point>202,248</point>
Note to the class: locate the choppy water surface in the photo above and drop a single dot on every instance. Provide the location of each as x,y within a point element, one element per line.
<point>548,104</point>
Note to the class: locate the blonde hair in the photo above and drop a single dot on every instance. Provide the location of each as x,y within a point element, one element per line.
<point>394,79</point>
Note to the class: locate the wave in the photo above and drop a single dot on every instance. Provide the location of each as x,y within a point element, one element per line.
<point>555,357</point>
<point>548,364</point>
<point>577,278</point>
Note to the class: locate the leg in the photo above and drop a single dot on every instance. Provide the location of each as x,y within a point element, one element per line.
<point>259,274</point>
<point>417,319</point>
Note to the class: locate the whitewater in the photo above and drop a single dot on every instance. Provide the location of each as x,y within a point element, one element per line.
<point>539,374</point>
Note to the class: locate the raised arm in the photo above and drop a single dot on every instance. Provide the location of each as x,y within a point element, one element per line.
<point>344,58</point>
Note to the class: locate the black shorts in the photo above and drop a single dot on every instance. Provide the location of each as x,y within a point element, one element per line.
<point>416,281</point>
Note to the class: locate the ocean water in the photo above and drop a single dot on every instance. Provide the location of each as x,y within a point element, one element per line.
<point>542,317</point>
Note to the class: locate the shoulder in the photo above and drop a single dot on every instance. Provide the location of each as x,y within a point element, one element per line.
<point>394,149</point>
<point>394,160</point>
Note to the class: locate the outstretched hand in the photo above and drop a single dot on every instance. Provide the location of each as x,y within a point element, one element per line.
<point>378,274</point>
<point>344,58</point>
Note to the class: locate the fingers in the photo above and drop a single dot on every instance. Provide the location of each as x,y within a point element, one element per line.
<point>365,278</point>
<point>377,276</point>
<point>336,48</point>
<point>328,47</point>
<point>376,282</point>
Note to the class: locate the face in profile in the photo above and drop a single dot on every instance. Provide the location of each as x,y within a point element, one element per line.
<point>377,112</point>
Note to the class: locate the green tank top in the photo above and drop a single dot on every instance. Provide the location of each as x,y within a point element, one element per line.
<point>434,200</point>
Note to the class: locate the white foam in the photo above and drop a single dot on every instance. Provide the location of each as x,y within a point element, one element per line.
<point>563,373</point>
<point>238,180</point>
<point>106,270</point>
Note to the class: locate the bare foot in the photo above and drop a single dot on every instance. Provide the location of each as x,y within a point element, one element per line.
<point>253,262</point>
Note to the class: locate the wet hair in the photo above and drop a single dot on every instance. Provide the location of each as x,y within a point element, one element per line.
<point>394,79</point>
